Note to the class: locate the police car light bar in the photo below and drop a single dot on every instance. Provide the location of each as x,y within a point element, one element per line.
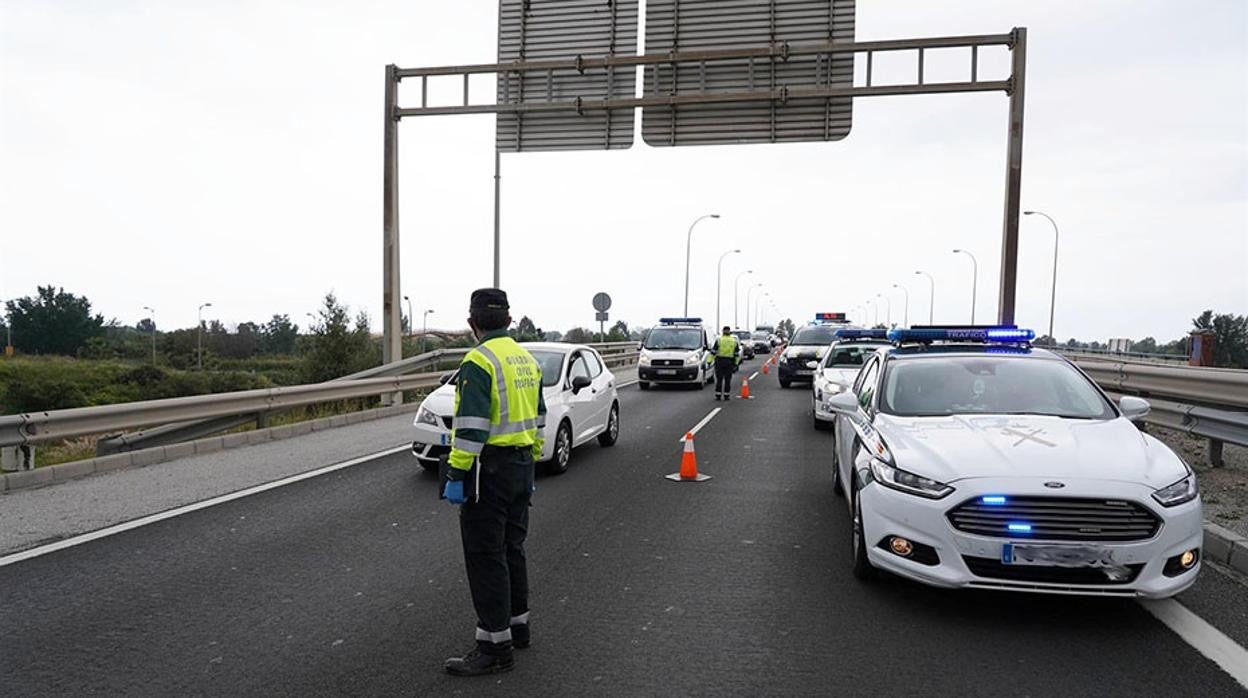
<point>829,317</point>
<point>680,321</point>
<point>1002,334</point>
<point>861,334</point>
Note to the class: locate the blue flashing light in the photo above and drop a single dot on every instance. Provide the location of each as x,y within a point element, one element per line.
<point>1019,527</point>
<point>680,321</point>
<point>844,333</point>
<point>1005,334</point>
<point>993,499</point>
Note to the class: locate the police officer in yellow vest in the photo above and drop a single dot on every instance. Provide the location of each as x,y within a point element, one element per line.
<point>499,417</point>
<point>727,356</point>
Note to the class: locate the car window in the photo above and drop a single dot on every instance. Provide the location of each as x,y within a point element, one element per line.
<point>865,386</point>
<point>850,355</point>
<point>551,363</point>
<point>592,363</point>
<point>578,367</point>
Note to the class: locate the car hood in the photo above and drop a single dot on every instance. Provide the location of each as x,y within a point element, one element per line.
<point>442,401</point>
<point>844,376</point>
<point>949,449</point>
<point>806,351</point>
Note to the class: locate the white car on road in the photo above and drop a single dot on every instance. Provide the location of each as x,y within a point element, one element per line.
<point>973,460</point>
<point>581,404</point>
<point>839,367</point>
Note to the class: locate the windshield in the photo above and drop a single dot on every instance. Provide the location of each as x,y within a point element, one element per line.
<point>741,335</point>
<point>760,336</point>
<point>552,366</point>
<point>940,386</point>
<point>849,355</point>
<point>815,335</point>
<point>674,338</point>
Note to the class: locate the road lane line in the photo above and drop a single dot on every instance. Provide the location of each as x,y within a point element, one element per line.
<point>1198,633</point>
<point>754,375</point>
<point>710,415</point>
<point>186,509</point>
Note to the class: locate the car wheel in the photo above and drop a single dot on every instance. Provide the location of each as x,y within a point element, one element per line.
<point>863,569</point>
<point>612,434</point>
<point>428,465</point>
<point>643,385</point>
<point>838,488</point>
<point>563,450</point>
<point>785,382</point>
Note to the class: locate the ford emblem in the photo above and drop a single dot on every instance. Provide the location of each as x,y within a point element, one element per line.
<point>1055,485</point>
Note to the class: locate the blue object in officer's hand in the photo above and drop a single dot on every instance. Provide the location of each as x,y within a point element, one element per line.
<point>454,492</point>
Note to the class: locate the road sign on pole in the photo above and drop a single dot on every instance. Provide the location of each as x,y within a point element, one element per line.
<point>679,26</point>
<point>602,302</point>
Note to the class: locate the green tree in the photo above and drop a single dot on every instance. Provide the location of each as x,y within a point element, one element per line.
<point>526,331</point>
<point>279,335</point>
<point>52,322</point>
<point>786,328</point>
<point>619,332</point>
<point>1148,345</point>
<point>1230,331</point>
<point>335,348</point>
<point>578,335</point>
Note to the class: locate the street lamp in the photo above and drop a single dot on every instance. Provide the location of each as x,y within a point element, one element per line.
<point>199,336</point>
<point>736,299</point>
<point>906,319</point>
<point>153,319</point>
<point>688,249</point>
<point>758,302</point>
<point>931,298</point>
<point>718,274</point>
<point>411,317</point>
<point>424,330</point>
<point>748,292</point>
<point>974,279</point>
<point>888,317</point>
<point>875,311</point>
<point>1053,293</point>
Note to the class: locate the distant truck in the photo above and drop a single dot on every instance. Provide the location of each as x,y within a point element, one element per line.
<point>1119,345</point>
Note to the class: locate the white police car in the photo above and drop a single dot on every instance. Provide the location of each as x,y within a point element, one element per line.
<point>974,460</point>
<point>838,368</point>
<point>676,351</point>
<point>581,404</point>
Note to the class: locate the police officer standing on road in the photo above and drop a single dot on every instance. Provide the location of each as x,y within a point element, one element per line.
<point>499,416</point>
<point>727,356</point>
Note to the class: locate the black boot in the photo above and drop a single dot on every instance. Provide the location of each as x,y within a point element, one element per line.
<point>521,638</point>
<point>485,658</point>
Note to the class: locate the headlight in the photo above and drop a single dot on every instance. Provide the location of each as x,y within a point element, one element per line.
<point>424,416</point>
<point>691,360</point>
<point>831,388</point>
<point>1183,491</point>
<point>643,360</point>
<point>907,482</point>
<point>812,364</point>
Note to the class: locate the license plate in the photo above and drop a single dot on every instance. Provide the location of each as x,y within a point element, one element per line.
<point>446,439</point>
<point>805,373</point>
<point>1057,555</point>
<point>666,371</point>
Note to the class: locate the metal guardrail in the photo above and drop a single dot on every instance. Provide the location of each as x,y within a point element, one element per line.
<point>1134,356</point>
<point>195,414</point>
<point>1214,387</point>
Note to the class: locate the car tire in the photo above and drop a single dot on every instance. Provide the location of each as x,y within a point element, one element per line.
<point>608,438</point>
<point>430,466</point>
<point>562,454</point>
<point>838,488</point>
<point>643,385</point>
<point>862,567</point>
<point>785,383</point>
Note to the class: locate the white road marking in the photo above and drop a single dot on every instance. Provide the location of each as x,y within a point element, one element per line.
<point>754,375</point>
<point>153,518</point>
<point>1198,633</point>
<point>710,415</point>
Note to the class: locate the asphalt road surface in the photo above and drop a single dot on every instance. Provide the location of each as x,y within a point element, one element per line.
<point>352,583</point>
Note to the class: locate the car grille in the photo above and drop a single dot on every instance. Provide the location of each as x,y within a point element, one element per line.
<point>1057,518</point>
<point>994,569</point>
<point>667,363</point>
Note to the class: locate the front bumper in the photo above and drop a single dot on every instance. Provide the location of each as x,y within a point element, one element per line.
<point>887,512</point>
<point>796,370</point>
<point>668,374</point>
<point>822,412</point>
<point>430,443</point>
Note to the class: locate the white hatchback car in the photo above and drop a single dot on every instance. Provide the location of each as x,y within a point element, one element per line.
<point>973,460</point>
<point>581,404</point>
<point>839,367</point>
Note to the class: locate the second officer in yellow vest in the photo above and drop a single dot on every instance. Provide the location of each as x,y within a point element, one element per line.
<point>499,417</point>
<point>727,356</point>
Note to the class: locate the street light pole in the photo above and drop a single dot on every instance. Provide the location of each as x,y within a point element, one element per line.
<point>719,272</point>
<point>736,299</point>
<point>199,337</point>
<point>974,280</point>
<point>424,330</point>
<point>875,311</point>
<point>411,318</point>
<point>758,302</point>
<point>153,319</point>
<point>1053,292</point>
<point>888,317</point>
<point>906,319</point>
<point>931,298</point>
<point>688,250</point>
<point>748,293</point>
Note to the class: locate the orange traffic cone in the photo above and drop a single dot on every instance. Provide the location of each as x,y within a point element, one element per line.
<point>765,369</point>
<point>688,464</point>
<point>745,388</point>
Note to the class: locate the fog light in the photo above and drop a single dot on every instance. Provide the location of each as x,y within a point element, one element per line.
<point>900,546</point>
<point>1187,559</point>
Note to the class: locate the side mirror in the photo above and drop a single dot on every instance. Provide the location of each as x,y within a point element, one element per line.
<point>446,378</point>
<point>1133,408</point>
<point>842,403</point>
<point>580,383</point>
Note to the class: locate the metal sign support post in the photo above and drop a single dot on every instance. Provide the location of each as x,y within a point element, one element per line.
<point>497,202</point>
<point>392,330</point>
<point>1013,178</point>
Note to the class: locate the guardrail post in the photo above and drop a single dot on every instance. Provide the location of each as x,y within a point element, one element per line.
<point>1215,453</point>
<point>15,458</point>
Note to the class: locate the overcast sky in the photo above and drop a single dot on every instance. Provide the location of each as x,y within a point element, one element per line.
<point>171,153</point>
